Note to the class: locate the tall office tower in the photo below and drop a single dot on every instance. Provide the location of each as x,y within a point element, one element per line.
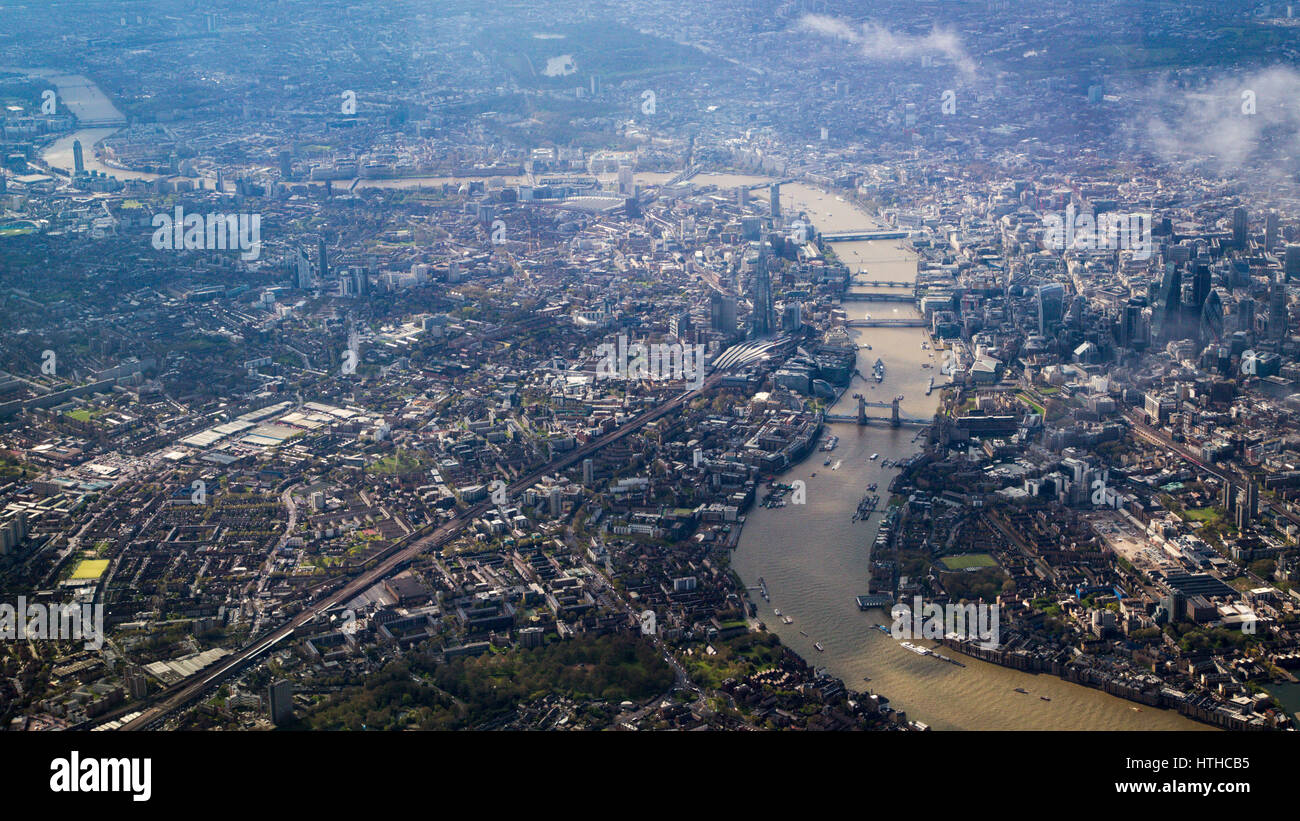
<point>1078,311</point>
<point>1291,261</point>
<point>774,194</point>
<point>1051,306</point>
<point>722,312</point>
<point>742,197</point>
<point>588,473</point>
<point>4,183</point>
<point>363,283</point>
<point>1212,317</point>
<point>304,269</point>
<point>322,261</point>
<point>1200,270</point>
<point>280,701</point>
<point>1133,330</point>
<point>1277,309</point>
<point>286,166</point>
<point>1270,230</point>
<point>595,85</point>
<point>792,316</point>
<point>1239,227</point>
<point>78,159</point>
<point>762,319</point>
<point>1246,315</point>
<point>1171,299</point>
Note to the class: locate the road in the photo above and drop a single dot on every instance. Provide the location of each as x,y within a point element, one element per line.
<point>1160,438</point>
<point>190,689</point>
<point>287,499</point>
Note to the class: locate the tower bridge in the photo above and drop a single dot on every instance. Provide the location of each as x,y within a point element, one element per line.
<point>894,420</point>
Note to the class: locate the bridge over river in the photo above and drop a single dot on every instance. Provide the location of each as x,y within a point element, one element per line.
<point>854,236</point>
<point>885,323</point>
<point>881,283</point>
<point>856,296</point>
<point>895,419</point>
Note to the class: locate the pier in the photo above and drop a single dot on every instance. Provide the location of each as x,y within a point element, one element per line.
<point>866,507</point>
<point>874,600</point>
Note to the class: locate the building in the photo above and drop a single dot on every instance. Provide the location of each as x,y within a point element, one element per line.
<point>1246,315</point>
<point>298,259</point>
<point>1051,307</point>
<point>1277,317</point>
<point>1212,317</point>
<point>322,261</point>
<point>1171,299</point>
<point>280,701</point>
<point>1291,260</point>
<point>761,322</point>
<point>137,684</point>
<point>1200,285</point>
<point>722,313</point>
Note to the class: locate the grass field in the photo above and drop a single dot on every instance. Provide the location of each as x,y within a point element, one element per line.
<point>400,462</point>
<point>968,560</point>
<point>1024,397</point>
<point>90,569</point>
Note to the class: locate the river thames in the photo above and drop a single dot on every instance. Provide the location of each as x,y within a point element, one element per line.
<point>815,560</point>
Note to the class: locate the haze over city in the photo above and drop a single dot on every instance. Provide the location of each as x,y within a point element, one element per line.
<point>576,366</point>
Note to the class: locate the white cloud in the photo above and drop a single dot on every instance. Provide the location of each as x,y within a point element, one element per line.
<point>1209,124</point>
<point>876,42</point>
